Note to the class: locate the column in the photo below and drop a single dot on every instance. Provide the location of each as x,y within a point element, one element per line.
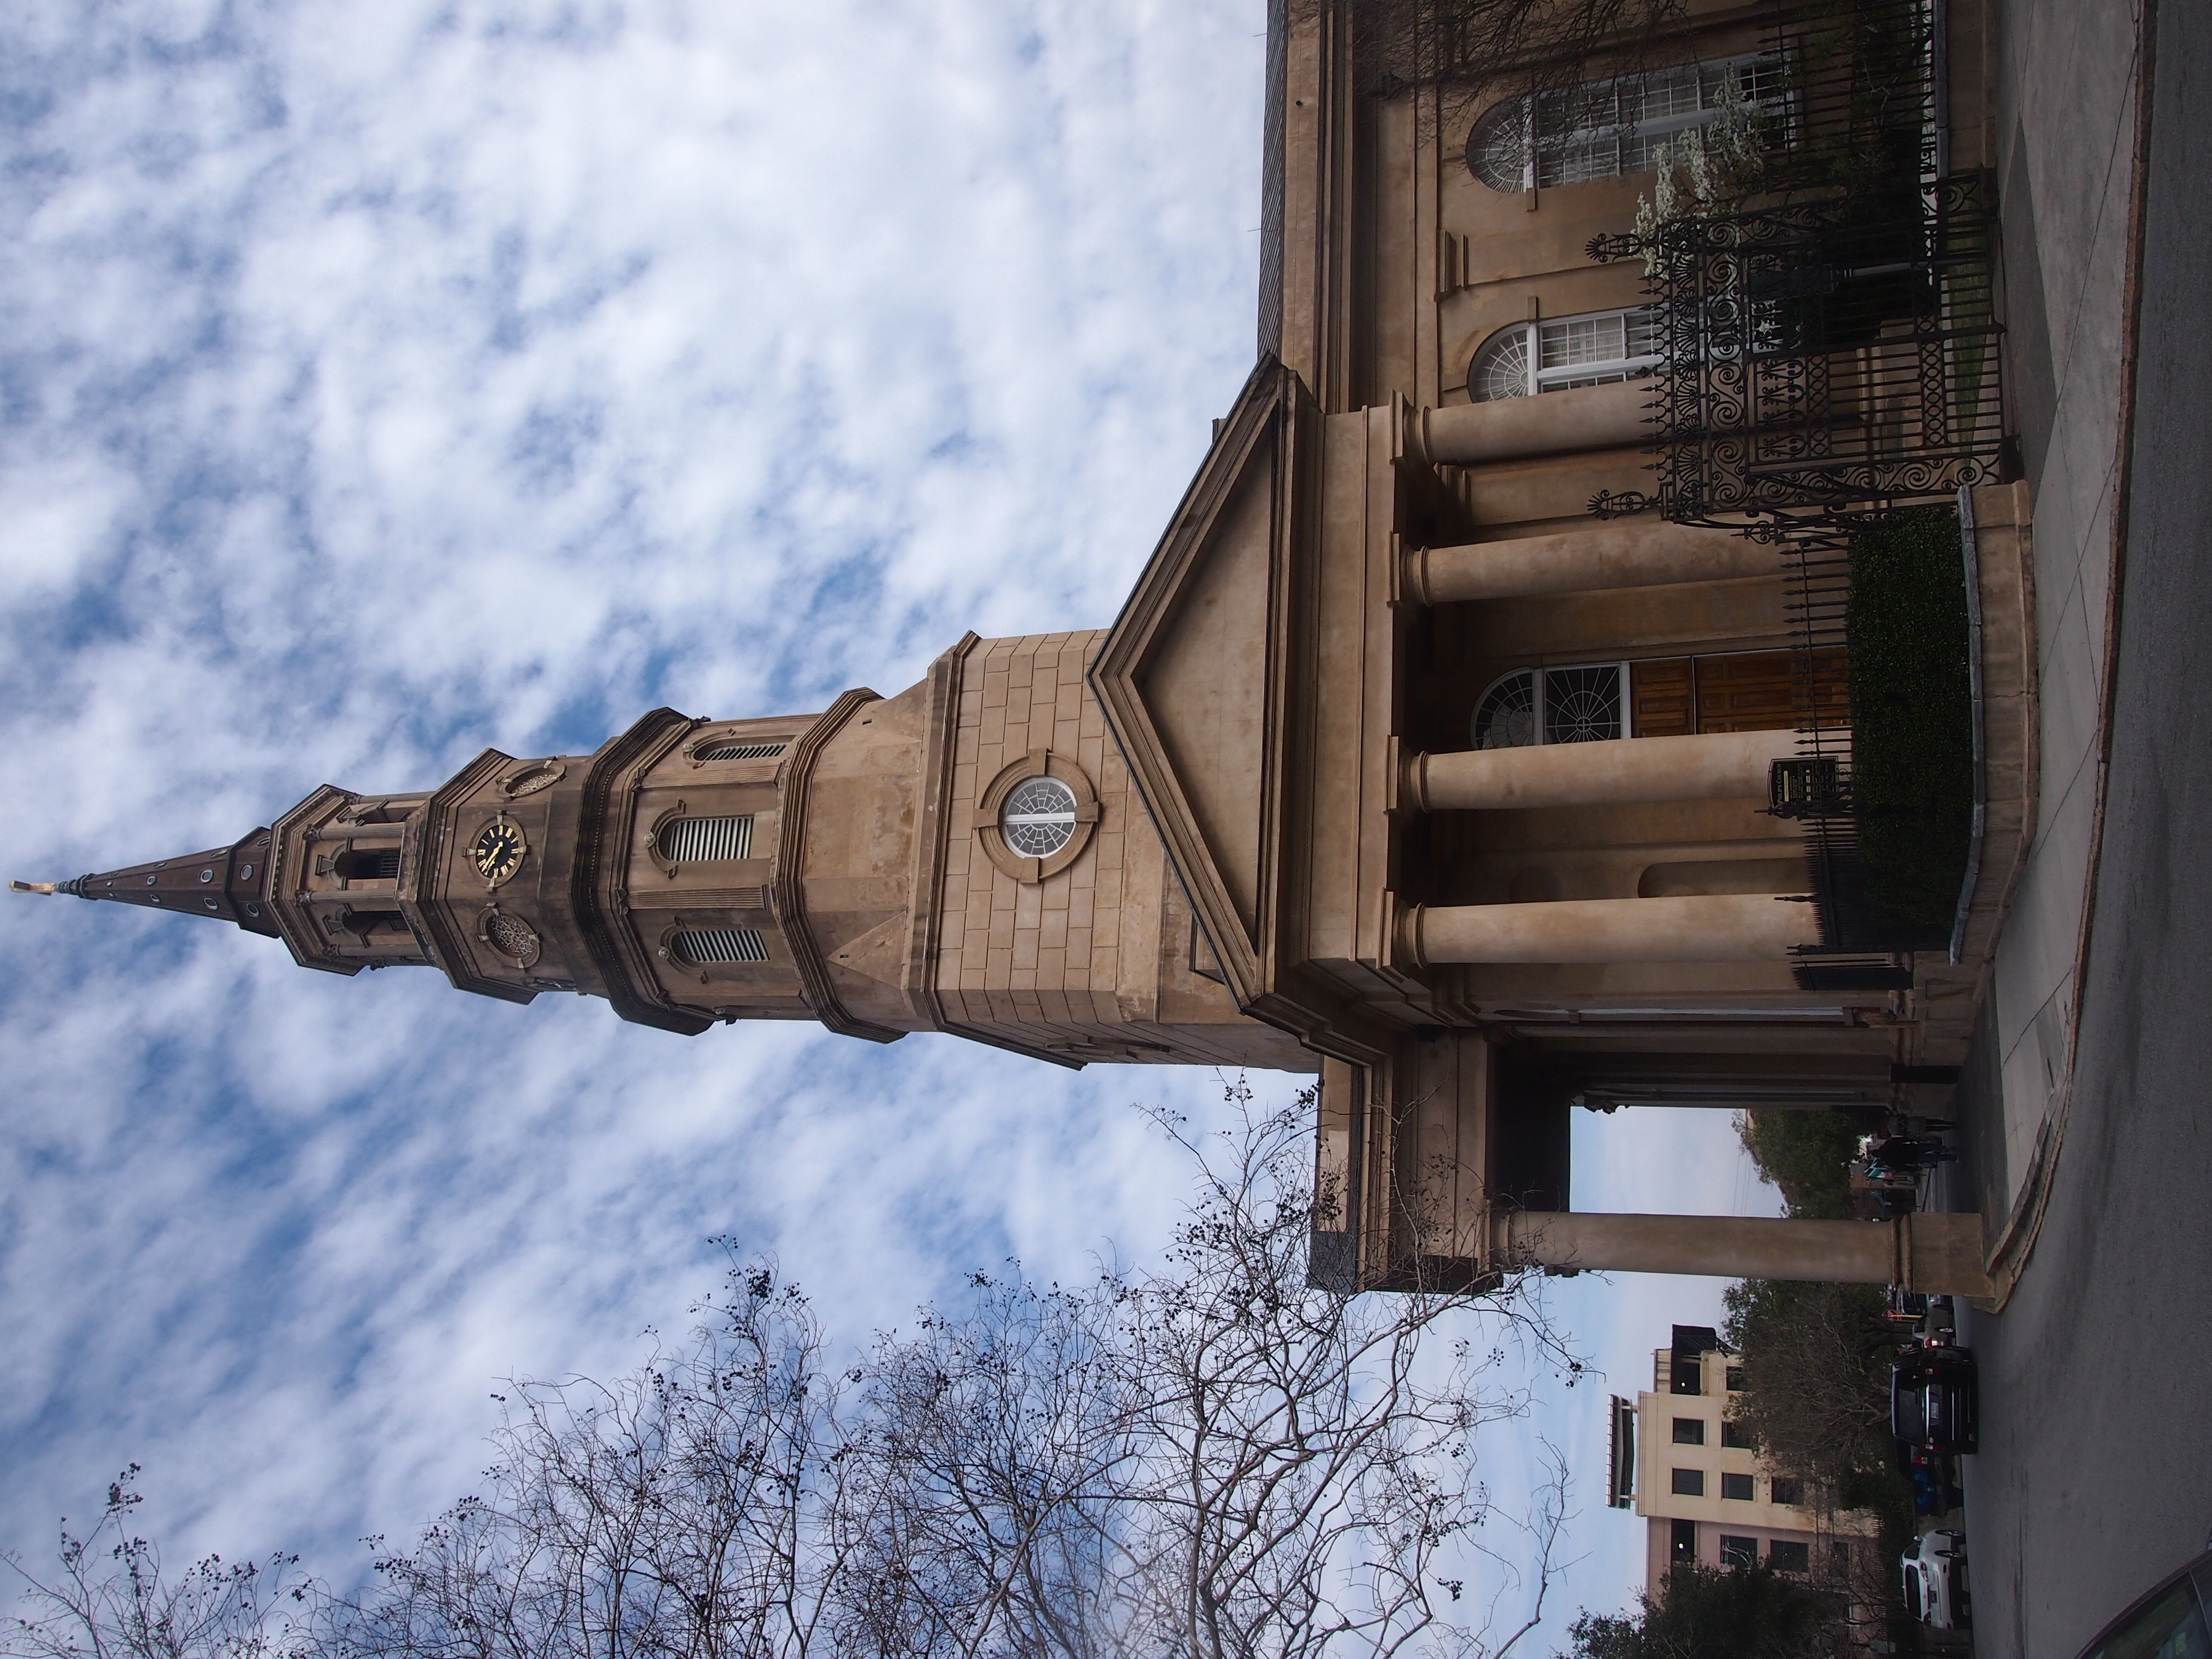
<point>1713,766</point>
<point>1514,429</point>
<point>1733,927</point>
<point>1940,1254</point>
<point>1641,553</point>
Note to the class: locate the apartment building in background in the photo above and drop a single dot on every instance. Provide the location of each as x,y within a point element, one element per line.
<point>1702,1489</point>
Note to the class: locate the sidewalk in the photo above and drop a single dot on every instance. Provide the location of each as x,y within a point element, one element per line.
<point>2065,121</point>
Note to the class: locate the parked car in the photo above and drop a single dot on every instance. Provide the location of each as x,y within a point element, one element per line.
<point>1933,1400</point>
<point>2170,1618</point>
<point>1935,1591</point>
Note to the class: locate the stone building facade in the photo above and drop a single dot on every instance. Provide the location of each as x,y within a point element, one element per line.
<point>1398,766</point>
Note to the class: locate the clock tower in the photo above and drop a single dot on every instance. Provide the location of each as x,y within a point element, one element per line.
<point>967,856</point>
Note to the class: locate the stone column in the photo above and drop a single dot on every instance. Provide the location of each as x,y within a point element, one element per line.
<point>1737,927</point>
<point>1641,553</point>
<point>1713,766</point>
<point>1940,1254</point>
<point>1514,429</point>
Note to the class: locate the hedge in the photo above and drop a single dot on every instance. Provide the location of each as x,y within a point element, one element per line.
<point>1911,716</point>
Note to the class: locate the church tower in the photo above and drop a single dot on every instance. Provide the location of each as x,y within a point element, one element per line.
<point>967,856</point>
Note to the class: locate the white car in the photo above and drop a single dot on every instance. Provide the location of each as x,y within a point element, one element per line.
<point>1935,1581</point>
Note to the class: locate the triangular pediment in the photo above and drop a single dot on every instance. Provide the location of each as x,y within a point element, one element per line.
<point>1188,674</point>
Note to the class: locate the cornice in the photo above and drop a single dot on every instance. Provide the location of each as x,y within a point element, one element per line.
<point>788,892</point>
<point>1271,426</point>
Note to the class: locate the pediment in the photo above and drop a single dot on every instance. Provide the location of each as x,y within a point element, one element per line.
<point>1187,675</point>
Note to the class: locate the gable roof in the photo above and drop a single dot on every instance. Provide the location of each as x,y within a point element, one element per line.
<point>1190,675</point>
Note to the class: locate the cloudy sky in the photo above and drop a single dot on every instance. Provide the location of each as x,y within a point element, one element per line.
<point>380,382</point>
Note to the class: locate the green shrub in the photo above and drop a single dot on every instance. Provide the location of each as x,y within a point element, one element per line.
<point>1807,1155</point>
<point>1911,716</point>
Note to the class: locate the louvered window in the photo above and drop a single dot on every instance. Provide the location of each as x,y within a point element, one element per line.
<point>740,748</point>
<point>368,864</point>
<point>701,947</point>
<point>700,841</point>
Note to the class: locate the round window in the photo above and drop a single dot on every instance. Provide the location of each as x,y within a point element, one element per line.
<point>1038,818</point>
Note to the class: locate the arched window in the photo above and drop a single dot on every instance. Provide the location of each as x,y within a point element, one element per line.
<point>700,841</point>
<point>1604,129</point>
<point>706,947</point>
<point>1595,349</point>
<point>1575,702</point>
<point>1504,368</point>
<point>1506,716</point>
<point>1497,148</point>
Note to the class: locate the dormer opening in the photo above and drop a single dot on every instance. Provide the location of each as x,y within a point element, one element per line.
<point>367,863</point>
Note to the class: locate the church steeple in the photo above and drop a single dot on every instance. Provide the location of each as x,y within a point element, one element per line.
<point>230,884</point>
<point>967,856</point>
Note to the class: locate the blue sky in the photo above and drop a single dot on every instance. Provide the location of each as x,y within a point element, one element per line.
<point>378,383</point>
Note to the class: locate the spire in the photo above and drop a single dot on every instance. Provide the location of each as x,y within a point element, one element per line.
<point>230,884</point>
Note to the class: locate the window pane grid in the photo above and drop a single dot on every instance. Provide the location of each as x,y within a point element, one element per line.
<point>699,841</point>
<point>1582,705</point>
<point>1038,818</point>
<point>1598,349</point>
<point>1609,128</point>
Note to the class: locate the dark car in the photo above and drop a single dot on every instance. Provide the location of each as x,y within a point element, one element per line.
<point>2165,1622</point>
<point>1932,1399</point>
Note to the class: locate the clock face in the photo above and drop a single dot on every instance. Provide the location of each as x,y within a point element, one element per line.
<point>497,850</point>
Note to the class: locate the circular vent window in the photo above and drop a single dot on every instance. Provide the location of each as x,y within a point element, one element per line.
<point>1038,818</point>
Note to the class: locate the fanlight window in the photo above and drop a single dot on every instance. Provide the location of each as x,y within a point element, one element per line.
<point>704,947</point>
<point>700,841</point>
<point>1604,129</point>
<point>1038,818</point>
<point>740,748</point>
<point>1594,350</point>
<point>1579,703</point>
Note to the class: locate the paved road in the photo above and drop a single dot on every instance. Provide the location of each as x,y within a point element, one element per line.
<point>2096,1470</point>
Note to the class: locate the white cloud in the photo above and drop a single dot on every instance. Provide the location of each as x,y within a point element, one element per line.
<point>381,382</point>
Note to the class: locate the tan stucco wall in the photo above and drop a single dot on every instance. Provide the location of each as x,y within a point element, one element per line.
<point>1097,960</point>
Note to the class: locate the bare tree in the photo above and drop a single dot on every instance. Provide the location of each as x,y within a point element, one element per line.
<point>1214,1460</point>
<point>1306,1465</point>
<point>112,1600</point>
<point>1468,51</point>
<point>699,1506</point>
